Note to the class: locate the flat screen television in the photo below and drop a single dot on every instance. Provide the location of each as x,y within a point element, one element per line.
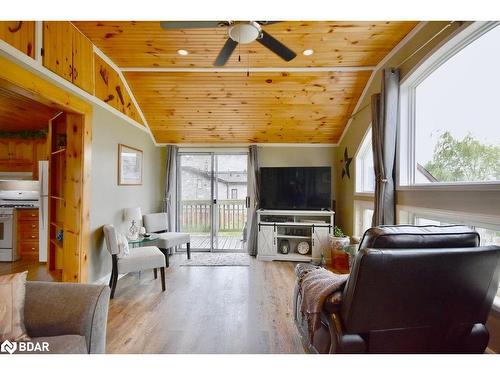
<point>295,188</point>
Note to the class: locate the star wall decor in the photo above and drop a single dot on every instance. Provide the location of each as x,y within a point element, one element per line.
<point>346,163</point>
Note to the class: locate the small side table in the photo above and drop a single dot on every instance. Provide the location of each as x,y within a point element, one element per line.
<point>142,241</point>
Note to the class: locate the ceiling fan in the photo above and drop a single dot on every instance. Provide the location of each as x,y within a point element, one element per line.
<point>243,32</point>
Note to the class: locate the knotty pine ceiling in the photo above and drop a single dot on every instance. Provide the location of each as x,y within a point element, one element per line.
<point>19,113</point>
<point>231,107</point>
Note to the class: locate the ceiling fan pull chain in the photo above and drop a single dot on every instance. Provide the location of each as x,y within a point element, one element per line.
<point>248,64</point>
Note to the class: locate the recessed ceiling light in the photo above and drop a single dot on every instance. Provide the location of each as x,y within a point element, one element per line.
<point>307,52</point>
<point>183,52</point>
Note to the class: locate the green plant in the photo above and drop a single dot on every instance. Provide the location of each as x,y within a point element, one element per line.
<point>337,232</point>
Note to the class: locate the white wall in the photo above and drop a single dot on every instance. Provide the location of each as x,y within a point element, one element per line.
<point>109,199</point>
<point>311,156</point>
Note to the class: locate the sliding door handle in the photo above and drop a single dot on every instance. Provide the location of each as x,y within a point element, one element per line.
<point>247,202</point>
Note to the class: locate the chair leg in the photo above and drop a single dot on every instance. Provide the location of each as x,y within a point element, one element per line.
<point>111,278</point>
<point>155,271</point>
<point>114,282</point>
<point>188,250</point>
<point>165,252</point>
<point>162,271</point>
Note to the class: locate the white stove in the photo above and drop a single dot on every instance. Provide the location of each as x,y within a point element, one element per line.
<point>9,201</point>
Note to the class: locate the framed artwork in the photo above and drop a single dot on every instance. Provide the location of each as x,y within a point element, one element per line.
<point>129,165</point>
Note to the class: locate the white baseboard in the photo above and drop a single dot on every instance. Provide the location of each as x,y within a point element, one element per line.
<point>105,279</point>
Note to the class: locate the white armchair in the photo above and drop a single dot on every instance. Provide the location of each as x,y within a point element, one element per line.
<point>139,259</point>
<point>158,223</point>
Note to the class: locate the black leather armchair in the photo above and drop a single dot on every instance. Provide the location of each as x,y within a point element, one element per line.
<point>412,290</point>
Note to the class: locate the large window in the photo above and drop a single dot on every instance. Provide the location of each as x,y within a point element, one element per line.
<point>363,213</point>
<point>450,113</point>
<point>365,176</point>
<point>487,227</point>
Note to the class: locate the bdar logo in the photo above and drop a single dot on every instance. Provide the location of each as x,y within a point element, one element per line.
<point>8,347</point>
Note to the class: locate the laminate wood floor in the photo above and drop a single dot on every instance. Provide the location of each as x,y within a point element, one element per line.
<point>36,271</point>
<point>206,310</point>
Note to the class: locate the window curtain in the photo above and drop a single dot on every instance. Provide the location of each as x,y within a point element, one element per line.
<point>169,205</point>
<point>385,110</point>
<point>254,181</point>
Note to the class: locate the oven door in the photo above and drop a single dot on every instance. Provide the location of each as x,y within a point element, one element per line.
<point>6,231</point>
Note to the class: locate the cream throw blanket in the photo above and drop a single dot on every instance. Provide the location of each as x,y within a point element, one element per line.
<point>315,284</point>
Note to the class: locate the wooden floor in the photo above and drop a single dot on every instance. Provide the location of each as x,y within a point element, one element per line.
<point>222,242</point>
<point>206,310</point>
<point>36,271</point>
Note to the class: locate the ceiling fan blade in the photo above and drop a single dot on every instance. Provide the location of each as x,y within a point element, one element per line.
<point>169,25</point>
<point>264,23</point>
<point>225,52</point>
<point>276,46</point>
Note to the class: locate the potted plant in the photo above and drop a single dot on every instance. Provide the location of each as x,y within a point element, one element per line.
<point>338,245</point>
<point>339,241</point>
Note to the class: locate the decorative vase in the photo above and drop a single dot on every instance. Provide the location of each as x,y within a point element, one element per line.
<point>339,243</point>
<point>339,256</point>
<point>284,247</point>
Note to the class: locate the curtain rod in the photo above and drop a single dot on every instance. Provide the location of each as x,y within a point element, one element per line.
<point>408,58</point>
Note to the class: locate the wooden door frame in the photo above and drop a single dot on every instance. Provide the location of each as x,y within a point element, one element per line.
<point>18,79</point>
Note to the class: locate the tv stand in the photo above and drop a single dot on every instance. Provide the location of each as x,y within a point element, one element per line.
<point>294,226</point>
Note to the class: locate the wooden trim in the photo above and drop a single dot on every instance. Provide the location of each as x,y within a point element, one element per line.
<point>26,82</point>
<point>120,147</point>
<point>253,69</point>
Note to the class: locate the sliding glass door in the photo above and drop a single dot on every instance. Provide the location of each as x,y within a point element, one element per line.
<point>230,185</point>
<point>212,195</point>
<point>195,199</point>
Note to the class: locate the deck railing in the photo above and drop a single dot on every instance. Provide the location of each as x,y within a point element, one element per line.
<point>195,215</point>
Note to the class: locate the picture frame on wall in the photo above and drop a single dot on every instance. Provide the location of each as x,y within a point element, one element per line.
<point>129,165</point>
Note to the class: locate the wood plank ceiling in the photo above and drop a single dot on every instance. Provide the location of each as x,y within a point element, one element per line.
<point>230,107</point>
<point>19,113</point>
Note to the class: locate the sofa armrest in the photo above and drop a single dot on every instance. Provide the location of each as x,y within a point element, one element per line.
<point>341,342</point>
<point>333,302</point>
<point>54,309</point>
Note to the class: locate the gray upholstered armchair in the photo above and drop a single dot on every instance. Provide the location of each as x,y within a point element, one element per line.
<point>72,318</point>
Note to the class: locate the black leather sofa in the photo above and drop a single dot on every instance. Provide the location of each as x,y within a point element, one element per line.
<point>412,289</point>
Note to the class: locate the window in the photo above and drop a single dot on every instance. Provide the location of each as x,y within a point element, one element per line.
<point>234,193</point>
<point>449,109</point>
<point>365,176</point>
<point>363,213</point>
<point>487,227</point>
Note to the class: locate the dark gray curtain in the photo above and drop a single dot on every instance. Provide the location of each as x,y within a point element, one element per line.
<point>253,179</point>
<point>169,205</point>
<point>385,110</point>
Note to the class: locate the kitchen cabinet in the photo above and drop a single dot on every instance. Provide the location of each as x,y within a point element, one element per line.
<point>68,53</point>
<point>22,149</point>
<point>4,149</point>
<point>20,35</point>
<point>27,233</point>
<point>22,155</point>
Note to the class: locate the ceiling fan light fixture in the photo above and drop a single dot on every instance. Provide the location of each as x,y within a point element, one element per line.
<point>182,52</point>
<point>308,52</point>
<point>244,32</point>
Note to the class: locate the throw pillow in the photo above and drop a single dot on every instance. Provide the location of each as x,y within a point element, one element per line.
<point>123,249</point>
<point>12,294</point>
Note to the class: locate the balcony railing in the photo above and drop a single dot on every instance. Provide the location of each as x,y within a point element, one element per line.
<point>195,215</point>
